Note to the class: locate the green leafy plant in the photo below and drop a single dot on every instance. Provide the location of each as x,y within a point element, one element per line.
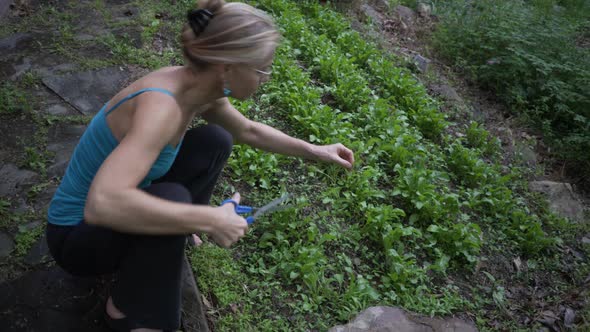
<point>527,53</point>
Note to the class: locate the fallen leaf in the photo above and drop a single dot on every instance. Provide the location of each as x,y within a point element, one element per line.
<point>549,314</point>
<point>549,319</point>
<point>206,302</point>
<point>517,263</point>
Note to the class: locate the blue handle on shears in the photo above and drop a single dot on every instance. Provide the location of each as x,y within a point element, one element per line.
<point>241,209</point>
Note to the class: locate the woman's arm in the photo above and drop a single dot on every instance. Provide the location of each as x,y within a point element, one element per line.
<point>114,201</point>
<point>267,138</point>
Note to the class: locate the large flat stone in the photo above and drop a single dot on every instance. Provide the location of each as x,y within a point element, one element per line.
<point>52,300</point>
<point>14,180</point>
<point>88,91</point>
<point>16,135</point>
<point>14,42</point>
<point>392,319</point>
<point>561,197</point>
<point>62,140</point>
<point>20,53</point>
<point>42,200</point>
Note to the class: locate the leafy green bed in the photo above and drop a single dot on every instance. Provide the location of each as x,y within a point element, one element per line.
<point>419,205</point>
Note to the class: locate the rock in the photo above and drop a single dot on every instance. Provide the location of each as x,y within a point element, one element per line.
<point>44,197</point>
<point>562,198</point>
<point>57,109</point>
<point>87,91</point>
<point>569,318</point>
<point>39,253</point>
<point>528,155</point>
<point>370,14</point>
<point>381,318</point>
<point>586,240</point>
<point>446,92</point>
<point>421,62</point>
<point>52,300</point>
<point>193,314</point>
<point>20,205</point>
<point>13,179</point>
<point>424,10</point>
<point>383,5</point>
<point>392,319</point>
<point>6,244</point>
<point>14,42</point>
<point>405,14</point>
<point>479,115</point>
<point>578,255</point>
<point>506,136</point>
<point>62,140</point>
<point>18,68</point>
<point>47,67</point>
<point>4,6</point>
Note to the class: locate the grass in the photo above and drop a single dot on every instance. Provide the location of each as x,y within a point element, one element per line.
<point>14,99</point>
<point>25,239</point>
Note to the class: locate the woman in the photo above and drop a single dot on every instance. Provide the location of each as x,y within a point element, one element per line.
<point>139,182</point>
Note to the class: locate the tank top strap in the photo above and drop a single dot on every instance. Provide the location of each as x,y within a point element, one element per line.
<point>136,93</point>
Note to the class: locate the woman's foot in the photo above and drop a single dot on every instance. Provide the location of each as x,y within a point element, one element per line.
<point>112,311</point>
<point>115,313</point>
<point>197,240</point>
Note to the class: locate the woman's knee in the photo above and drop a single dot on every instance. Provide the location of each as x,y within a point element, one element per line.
<point>171,191</point>
<point>219,139</point>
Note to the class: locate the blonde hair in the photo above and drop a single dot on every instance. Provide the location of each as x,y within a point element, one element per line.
<point>237,33</point>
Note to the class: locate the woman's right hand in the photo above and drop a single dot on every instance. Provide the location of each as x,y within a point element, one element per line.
<point>229,226</point>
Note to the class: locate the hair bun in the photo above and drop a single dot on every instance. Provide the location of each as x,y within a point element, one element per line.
<point>198,19</point>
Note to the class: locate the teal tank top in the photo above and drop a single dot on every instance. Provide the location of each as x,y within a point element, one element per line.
<point>97,142</point>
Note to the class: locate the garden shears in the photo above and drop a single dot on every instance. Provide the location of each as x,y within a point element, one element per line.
<point>257,212</point>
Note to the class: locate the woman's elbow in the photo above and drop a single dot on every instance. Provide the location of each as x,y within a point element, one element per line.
<point>246,135</point>
<point>92,209</point>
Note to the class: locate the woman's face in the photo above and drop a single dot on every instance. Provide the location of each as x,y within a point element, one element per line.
<point>243,80</point>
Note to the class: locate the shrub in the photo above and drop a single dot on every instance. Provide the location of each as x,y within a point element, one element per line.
<point>527,53</point>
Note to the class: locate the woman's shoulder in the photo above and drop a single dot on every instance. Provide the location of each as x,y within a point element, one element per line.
<point>161,79</point>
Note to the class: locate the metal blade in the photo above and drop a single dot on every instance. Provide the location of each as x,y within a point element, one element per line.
<point>270,206</point>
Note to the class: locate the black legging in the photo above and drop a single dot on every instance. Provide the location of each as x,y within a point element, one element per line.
<point>148,266</point>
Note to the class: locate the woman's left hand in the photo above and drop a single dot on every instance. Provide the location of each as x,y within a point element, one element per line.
<point>335,153</point>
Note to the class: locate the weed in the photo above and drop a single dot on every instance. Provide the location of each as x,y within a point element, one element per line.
<point>35,160</point>
<point>25,239</point>
<point>14,100</point>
